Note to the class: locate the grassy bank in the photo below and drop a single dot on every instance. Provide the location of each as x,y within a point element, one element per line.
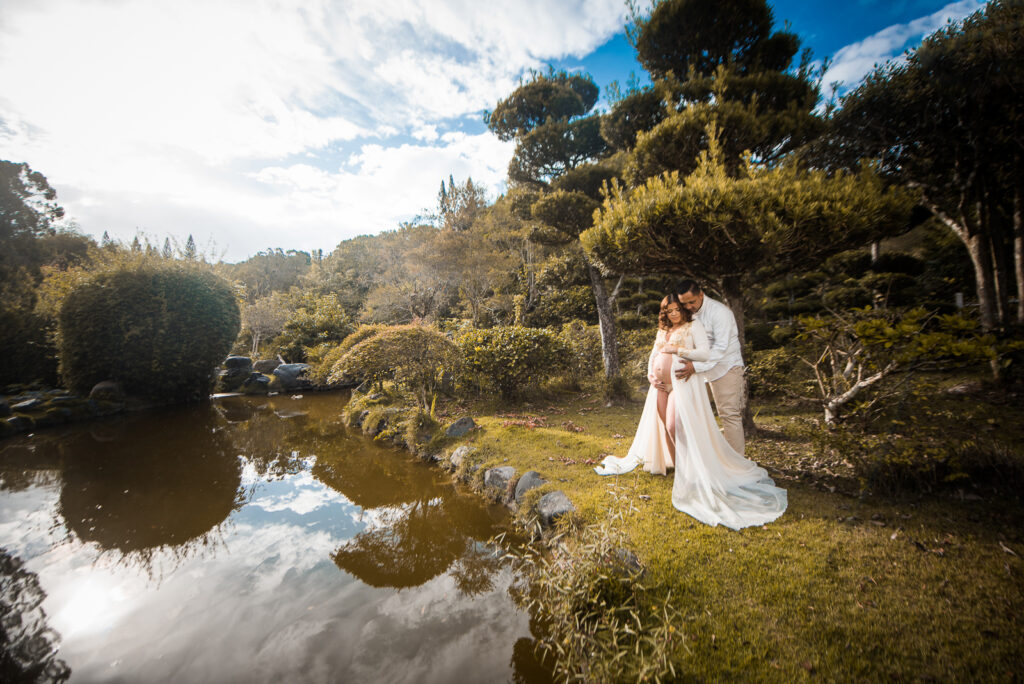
<point>844,586</point>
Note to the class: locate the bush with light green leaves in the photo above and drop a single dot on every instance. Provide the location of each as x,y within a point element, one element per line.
<point>511,360</point>
<point>583,346</point>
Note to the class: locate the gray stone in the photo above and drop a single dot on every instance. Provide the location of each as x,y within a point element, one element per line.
<point>231,379</point>
<point>256,381</point>
<point>65,399</point>
<point>108,390</point>
<point>266,365</point>
<point>243,362</point>
<point>28,405</point>
<point>624,562</point>
<point>460,454</point>
<point>500,477</point>
<point>291,376</point>
<point>460,427</point>
<point>5,408</point>
<point>552,506</point>
<point>529,480</point>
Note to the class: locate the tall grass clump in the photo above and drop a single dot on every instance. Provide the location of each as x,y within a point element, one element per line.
<point>602,619</point>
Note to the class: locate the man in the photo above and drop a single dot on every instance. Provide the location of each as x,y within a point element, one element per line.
<point>724,367</point>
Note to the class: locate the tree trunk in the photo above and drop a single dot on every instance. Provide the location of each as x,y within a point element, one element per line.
<point>977,243</point>
<point>1018,248</point>
<point>732,292</point>
<point>981,258</point>
<point>606,321</point>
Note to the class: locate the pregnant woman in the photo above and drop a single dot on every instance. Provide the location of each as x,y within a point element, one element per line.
<point>654,444</point>
<point>713,482</point>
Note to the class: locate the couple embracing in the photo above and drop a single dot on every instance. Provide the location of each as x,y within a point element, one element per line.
<point>698,342</point>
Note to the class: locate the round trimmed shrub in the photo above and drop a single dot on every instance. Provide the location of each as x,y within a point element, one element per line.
<point>512,360</point>
<point>158,330</point>
<point>414,356</point>
<point>324,365</point>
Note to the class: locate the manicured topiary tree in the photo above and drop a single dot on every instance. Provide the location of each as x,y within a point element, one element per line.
<point>159,330</point>
<point>414,356</point>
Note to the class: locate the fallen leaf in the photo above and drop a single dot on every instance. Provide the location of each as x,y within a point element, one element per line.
<point>1007,549</point>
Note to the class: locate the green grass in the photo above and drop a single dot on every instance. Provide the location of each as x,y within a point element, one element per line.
<point>842,586</point>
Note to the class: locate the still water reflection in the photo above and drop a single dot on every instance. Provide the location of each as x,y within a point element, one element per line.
<point>253,539</point>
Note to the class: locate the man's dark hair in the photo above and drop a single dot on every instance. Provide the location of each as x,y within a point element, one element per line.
<point>684,286</point>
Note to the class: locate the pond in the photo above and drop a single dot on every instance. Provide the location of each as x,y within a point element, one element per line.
<point>249,539</point>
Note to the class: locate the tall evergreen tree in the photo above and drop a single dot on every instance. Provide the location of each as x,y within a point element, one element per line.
<point>557,170</point>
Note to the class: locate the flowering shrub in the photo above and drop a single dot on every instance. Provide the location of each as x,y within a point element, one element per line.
<point>511,360</point>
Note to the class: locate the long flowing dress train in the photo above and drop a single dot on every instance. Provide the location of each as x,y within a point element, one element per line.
<point>713,483</point>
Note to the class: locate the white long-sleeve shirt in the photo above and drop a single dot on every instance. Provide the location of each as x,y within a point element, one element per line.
<point>724,353</point>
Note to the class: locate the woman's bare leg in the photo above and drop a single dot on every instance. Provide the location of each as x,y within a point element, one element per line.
<point>670,426</point>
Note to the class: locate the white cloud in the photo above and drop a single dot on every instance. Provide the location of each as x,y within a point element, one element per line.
<point>853,62</point>
<point>158,115</point>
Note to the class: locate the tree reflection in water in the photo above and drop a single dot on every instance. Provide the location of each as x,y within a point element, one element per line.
<point>414,534</point>
<point>165,499</point>
<point>28,647</point>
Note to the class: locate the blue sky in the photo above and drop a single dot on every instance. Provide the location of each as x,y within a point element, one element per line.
<point>272,123</point>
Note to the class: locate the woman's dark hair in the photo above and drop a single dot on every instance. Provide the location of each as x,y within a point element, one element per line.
<point>663,322</point>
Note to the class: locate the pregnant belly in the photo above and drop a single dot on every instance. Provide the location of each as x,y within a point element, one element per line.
<point>663,368</point>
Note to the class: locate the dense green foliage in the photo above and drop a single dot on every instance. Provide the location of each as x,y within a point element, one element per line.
<point>946,121</point>
<point>28,352</point>
<point>158,330</point>
<point>312,321</point>
<point>511,360</point>
<point>414,356</point>
<point>720,228</point>
<point>326,357</point>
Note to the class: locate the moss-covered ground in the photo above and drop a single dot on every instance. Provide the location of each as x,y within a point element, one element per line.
<point>845,586</point>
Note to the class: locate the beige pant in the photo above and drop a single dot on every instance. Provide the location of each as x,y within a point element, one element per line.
<point>728,393</point>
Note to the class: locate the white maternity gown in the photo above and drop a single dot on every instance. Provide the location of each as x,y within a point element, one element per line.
<point>714,483</point>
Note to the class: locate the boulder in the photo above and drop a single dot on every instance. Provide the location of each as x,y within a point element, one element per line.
<point>460,427</point>
<point>553,506</point>
<point>460,454</point>
<point>292,376</point>
<point>266,365</point>
<point>499,478</point>
<point>241,362</point>
<point>256,383</point>
<point>108,390</point>
<point>231,379</point>
<point>530,480</point>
